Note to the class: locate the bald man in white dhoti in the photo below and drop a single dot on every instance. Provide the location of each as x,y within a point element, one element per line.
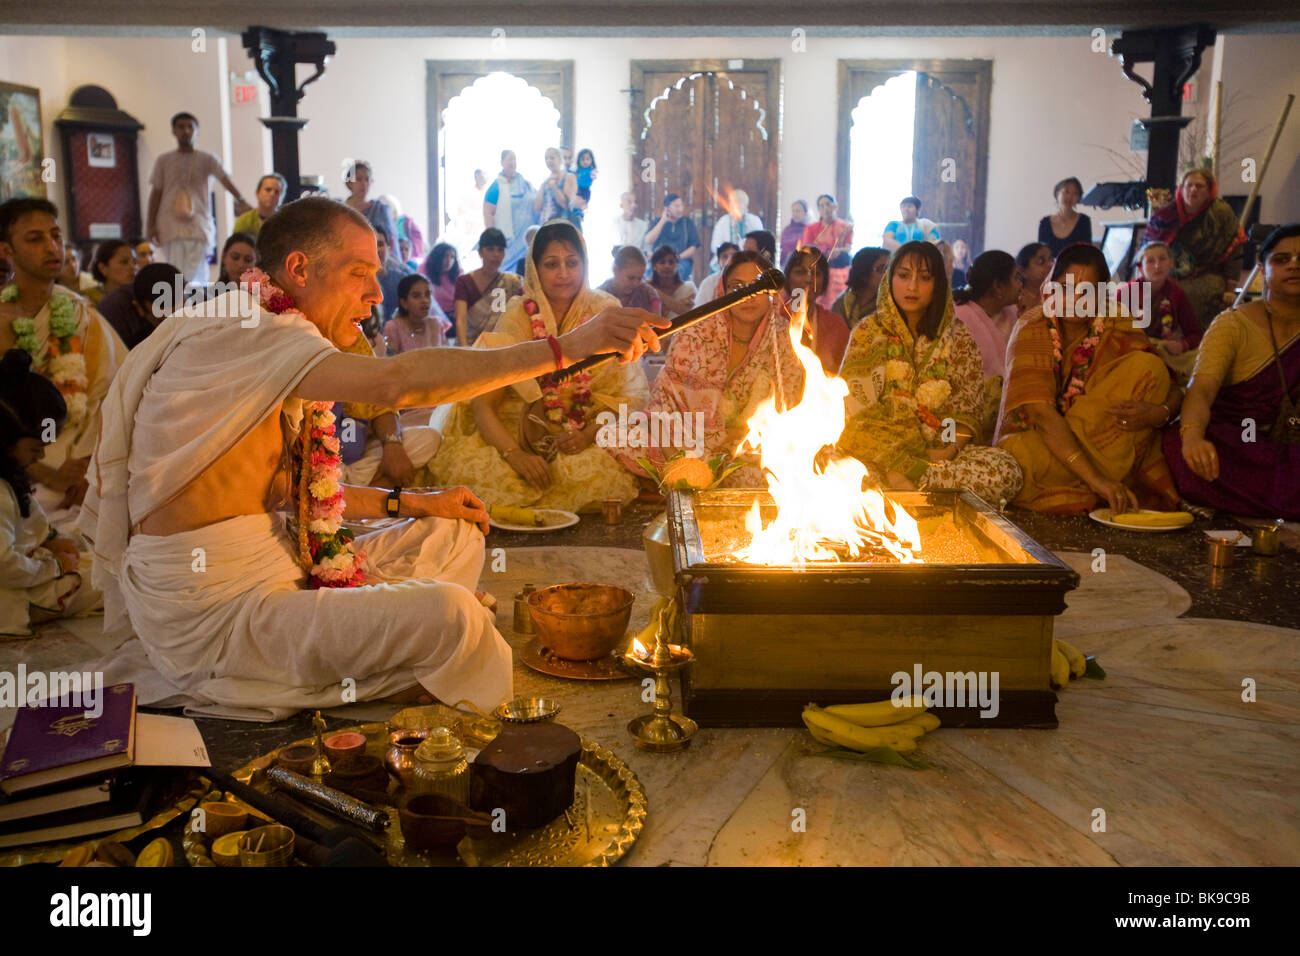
<point>214,425</point>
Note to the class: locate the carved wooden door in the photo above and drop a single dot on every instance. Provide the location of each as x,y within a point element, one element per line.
<point>702,130</point>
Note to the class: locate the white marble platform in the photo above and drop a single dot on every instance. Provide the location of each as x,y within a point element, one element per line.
<point>1185,771</point>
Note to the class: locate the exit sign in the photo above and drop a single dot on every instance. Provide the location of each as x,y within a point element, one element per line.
<point>243,88</point>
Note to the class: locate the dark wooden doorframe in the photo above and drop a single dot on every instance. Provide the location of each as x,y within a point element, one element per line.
<point>772,93</point>
<point>444,79</point>
<point>982,72</point>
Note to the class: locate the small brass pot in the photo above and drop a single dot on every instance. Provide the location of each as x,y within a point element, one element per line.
<point>1220,552</point>
<point>400,759</point>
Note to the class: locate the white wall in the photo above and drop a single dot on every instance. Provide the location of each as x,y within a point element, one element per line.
<point>1055,105</point>
<point>151,79</point>
<point>1258,72</point>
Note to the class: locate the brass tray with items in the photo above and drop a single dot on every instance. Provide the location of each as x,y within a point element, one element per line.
<point>596,826</point>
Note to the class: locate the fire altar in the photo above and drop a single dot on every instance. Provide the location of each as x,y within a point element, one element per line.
<point>976,597</point>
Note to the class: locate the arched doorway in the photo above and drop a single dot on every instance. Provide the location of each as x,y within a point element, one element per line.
<point>496,112</point>
<point>880,151</point>
<point>704,129</point>
<point>503,104</point>
<point>948,154</point>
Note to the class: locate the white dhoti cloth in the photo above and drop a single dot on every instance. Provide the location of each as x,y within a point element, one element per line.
<point>421,444</point>
<point>223,615</point>
<point>221,611</point>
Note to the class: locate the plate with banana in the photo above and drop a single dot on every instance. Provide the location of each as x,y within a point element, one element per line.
<point>508,518</point>
<point>1144,520</point>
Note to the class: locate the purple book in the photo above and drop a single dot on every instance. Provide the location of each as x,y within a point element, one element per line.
<point>51,744</point>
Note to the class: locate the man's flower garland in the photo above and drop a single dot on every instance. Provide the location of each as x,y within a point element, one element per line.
<point>571,411</point>
<point>63,360</point>
<point>325,547</point>
<point>933,390</point>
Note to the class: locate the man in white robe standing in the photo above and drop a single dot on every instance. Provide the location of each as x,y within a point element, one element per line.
<point>192,469</point>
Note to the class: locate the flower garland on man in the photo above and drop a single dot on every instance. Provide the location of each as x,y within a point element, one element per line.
<point>325,546</point>
<point>70,343</point>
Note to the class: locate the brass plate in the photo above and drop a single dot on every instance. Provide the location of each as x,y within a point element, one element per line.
<point>538,658</point>
<point>602,825</point>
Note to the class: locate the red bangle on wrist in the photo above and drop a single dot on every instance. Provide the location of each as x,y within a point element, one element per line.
<point>554,343</point>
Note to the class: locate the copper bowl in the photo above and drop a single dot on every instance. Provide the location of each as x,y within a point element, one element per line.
<point>300,758</point>
<point>580,622</point>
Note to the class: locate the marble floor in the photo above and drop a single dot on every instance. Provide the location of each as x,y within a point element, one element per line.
<point>1161,763</point>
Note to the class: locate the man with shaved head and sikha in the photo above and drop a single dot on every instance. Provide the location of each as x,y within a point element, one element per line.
<point>216,427</point>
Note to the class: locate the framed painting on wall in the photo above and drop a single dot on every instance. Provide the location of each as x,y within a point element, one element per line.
<point>21,147</point>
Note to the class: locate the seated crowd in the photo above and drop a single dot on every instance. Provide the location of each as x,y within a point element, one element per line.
<point>1031,384</point>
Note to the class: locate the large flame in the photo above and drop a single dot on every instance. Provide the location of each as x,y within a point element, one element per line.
<point>827,502</point>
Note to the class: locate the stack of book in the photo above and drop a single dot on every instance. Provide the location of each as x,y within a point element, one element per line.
<point>66,775</point>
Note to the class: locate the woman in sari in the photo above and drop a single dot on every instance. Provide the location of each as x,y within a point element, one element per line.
<point>916,388</point>
<point>675,294</point>
<point>1204,239</point>
<point>378,213</point>
<point>793,230</point>
<point>478,303</point>
<point>532,444</point>
<point>722,369</point>
<point>865,275</point>
<point>834,237</point>
<point>1034,262</point>
<point>1086,396</point>
<point>825,332</point>
<point>1247,371</point>
<point>508,206</point>
<point>987,306</point>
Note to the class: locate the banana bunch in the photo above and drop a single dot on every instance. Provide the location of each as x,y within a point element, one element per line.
<point>864,727</point>
<point>1154,519</point>
<point>1067,662</point>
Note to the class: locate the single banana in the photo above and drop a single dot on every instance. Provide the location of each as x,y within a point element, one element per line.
<point>1075,656</point>
<point>1060,667</point>
<point>850,735</point>
<point>879,713</point>
<point>926,722</point>
<point>511,514</point>
<point>1154,519</point>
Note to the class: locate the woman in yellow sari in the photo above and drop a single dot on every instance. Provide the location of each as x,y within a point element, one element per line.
<point>533,444</point>
<point>1085,399</point>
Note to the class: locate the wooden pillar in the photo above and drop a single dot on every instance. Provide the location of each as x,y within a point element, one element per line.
<point>277,54</point>
<point>1175,55</point>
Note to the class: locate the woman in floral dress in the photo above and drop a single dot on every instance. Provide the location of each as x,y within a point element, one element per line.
<point>718,371</point>
<point>916,388</point>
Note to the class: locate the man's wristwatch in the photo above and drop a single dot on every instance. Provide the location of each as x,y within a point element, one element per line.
<point>393,504</point>
<point>395,438</point>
